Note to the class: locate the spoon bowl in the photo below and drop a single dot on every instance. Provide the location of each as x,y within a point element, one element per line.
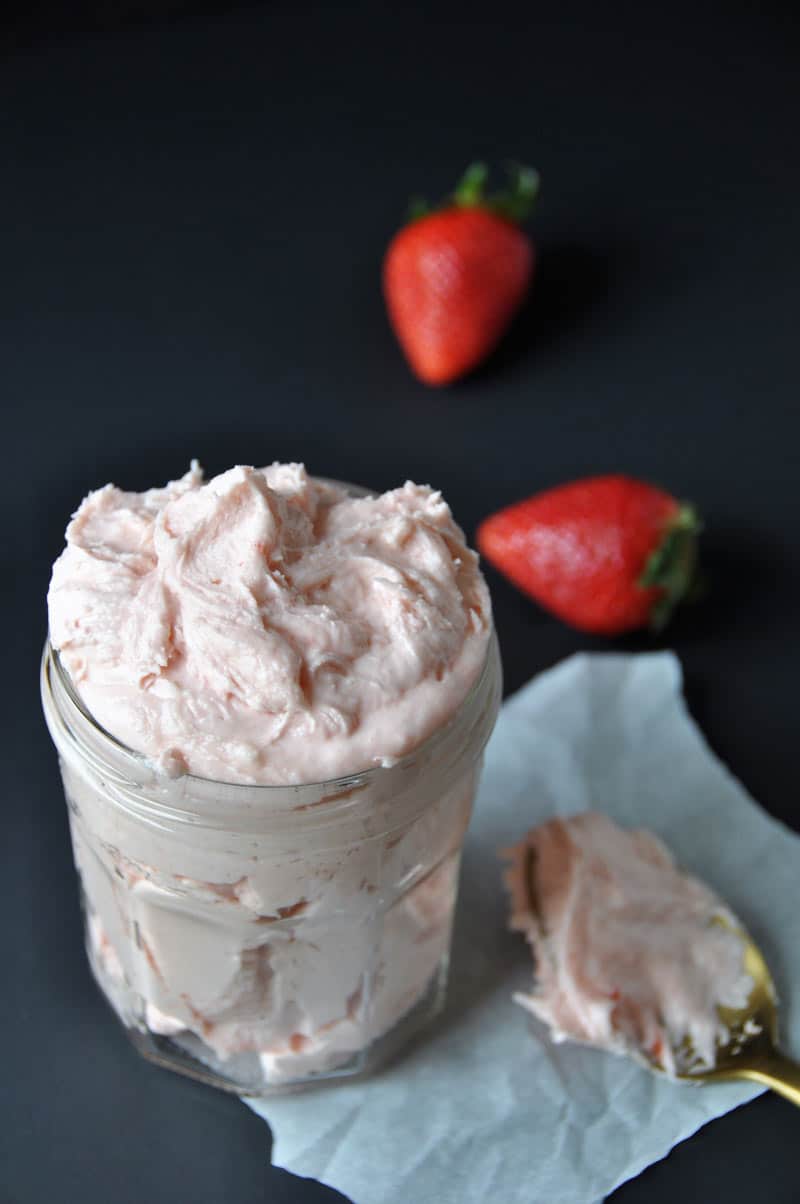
<point>751,1048</point>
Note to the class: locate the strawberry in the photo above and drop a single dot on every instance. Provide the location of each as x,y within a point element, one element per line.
<point>454,278</point>
<point>606,554</point>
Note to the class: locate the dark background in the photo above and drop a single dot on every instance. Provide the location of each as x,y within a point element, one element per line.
<point>194,206</point>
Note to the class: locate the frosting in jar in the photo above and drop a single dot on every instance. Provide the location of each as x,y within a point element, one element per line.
<point>266,627</point>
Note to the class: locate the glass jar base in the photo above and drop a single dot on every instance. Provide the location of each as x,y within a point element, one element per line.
<point>244,1074</point>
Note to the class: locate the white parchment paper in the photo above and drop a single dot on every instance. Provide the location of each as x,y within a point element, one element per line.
<point>485,1108</point>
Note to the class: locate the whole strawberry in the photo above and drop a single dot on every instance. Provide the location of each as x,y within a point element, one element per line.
<point>606,554</point>
<point>454,278</point>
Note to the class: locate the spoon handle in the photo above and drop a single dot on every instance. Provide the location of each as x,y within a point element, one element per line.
<point>778,1072</point>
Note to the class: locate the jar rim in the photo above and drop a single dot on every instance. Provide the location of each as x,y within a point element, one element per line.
<point>337,786</point>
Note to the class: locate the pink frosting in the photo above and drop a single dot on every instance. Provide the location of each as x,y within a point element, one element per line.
<point>265,627</point>
<point>631,954</point>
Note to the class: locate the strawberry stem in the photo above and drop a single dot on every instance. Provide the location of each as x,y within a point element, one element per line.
<point>672,567</point>
<point>418,207</point>
<point>514,203</point>
<point>470,189</point>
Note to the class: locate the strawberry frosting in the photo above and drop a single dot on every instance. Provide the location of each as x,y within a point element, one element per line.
<point>265,627</point>
<point>631,954</point>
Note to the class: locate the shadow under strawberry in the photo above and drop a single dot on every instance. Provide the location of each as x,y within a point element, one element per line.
<point>570,283</point>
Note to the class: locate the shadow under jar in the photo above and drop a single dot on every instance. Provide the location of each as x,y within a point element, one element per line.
<point>264,937</point>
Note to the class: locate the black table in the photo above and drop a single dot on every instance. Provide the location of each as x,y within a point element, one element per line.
<point>193,216</point>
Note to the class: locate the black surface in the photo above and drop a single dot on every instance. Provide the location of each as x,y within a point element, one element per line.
<point>193,216</point>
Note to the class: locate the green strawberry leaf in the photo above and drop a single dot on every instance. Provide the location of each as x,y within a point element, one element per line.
<point>513,203</point>
<point>516,203</point>
<point>672,566</point>
<point>470,190</point>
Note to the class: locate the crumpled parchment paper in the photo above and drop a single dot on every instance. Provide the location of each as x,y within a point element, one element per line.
<point>485,1108</point>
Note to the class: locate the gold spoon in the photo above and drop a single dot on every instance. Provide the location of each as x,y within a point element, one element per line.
<point>751,1051</point>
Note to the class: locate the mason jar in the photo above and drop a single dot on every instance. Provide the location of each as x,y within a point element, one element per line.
<point>263,937</point>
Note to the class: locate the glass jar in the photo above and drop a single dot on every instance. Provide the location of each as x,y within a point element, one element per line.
<point>262,937</point>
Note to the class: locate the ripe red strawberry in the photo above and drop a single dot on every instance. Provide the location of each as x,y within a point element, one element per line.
<point>606,554</point>
<point>453,279</point>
